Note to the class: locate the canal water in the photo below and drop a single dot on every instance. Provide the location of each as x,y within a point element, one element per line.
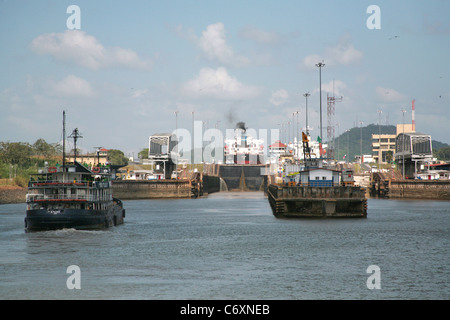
<point>230,246</point>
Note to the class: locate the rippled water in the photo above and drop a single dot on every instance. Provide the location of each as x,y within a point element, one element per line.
<point>230,246</point>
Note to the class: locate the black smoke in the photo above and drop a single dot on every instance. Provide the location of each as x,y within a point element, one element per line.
<point>241,125</point>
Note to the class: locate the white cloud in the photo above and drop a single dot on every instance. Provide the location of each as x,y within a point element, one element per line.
<point>279,97</point>
<point>337,87</point>
<point>139,93</point>
<point>214,45</point>
<point>70,86</point>
<point>85,50</point>
<point>260,36</point>
<point>218,84</point>
<point>342,53</point>
<point>389,95</point>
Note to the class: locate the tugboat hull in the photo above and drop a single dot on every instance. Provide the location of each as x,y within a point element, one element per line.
<point>43,219</point>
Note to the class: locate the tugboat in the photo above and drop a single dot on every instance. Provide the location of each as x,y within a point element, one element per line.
<point>72,196</point>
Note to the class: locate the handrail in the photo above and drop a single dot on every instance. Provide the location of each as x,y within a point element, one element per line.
<point>64,197</point>
<point>54,183</point>
<point>58,183</point>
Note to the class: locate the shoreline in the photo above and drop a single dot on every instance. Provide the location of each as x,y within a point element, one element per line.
<point>12,194</point>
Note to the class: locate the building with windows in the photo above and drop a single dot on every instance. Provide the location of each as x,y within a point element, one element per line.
<point>412,150</point>
<point>163,154</point>
<point>383,147</point>
<point>92,159</point>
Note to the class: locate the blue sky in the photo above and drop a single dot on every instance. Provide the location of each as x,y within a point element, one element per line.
<point>132,64</point>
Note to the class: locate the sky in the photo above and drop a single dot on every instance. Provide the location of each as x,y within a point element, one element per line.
<point>125,70</point>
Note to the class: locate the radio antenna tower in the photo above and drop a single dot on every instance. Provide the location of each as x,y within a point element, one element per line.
<point>330,117</point>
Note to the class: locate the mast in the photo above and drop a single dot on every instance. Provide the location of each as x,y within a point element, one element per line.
<point>75,135</point>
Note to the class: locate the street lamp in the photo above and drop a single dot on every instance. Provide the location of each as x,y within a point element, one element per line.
<point>403,143</point>
<point>339,138</point>
<point>348,131</point>
<point>360,147</point>
<point>320,65</point>
<point>176,129</point>
<point>306,95</point>
<point>192,142</point>
<point>294,133</point>
<point>380,151</point>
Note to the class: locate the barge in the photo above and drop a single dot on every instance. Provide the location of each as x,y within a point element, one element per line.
<point>317,202</point>
<point>312,190</point>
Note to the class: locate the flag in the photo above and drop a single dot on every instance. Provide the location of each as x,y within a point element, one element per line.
<point>322,151</point>
<point>304,137</point>
<point>344,156</point>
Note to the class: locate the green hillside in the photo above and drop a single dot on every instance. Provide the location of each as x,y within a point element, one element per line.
<point>354,141</point>
<point>352,138</point>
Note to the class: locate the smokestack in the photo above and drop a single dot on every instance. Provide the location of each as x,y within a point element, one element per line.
<point>241,125</point>
<point>413,118</point>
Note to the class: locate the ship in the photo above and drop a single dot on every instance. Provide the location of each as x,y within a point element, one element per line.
<point>314,189</point>
<point>73,196</point>
<point>243,148</point>
<point>243,161</point>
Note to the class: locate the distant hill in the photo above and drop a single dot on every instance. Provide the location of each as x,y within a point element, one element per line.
<point>354,140</point>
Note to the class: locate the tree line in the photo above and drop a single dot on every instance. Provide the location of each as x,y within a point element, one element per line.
<point>22,158</point>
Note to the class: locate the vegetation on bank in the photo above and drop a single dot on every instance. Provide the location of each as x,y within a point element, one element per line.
<point>20,159</point>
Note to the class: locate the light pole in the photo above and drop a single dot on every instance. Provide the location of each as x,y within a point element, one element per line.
<point>380,151</point>
<point>348,132</point>
<point>338,140</point>
<point>360,144</point>
<point>403,144</point>
<point>297,135</point>
<point>176,151</point>
<point>293,132</point>
<point>306,95</point>
<point>288,132</point>
<point>320,65</point>
<point>192,142</point>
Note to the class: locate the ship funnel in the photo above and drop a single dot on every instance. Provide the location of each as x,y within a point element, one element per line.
<point>241,125</point>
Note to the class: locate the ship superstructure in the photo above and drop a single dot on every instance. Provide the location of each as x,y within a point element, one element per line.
<point>243,148</point>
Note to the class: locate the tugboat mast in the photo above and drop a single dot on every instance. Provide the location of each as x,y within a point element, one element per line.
<point>75,135</point>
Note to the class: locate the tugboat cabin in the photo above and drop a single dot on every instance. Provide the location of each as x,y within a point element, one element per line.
<point>73,187</point>
<point>319,177</point>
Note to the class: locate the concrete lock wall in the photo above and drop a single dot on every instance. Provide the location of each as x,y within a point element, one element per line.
<point>416,189</point>
<point>151,189</point>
